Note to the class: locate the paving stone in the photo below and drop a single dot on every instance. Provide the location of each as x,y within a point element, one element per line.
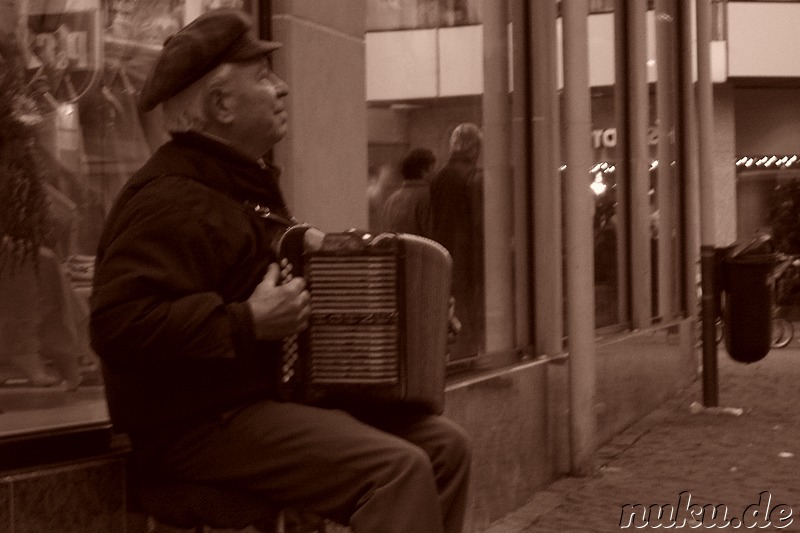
<point>712,455</point>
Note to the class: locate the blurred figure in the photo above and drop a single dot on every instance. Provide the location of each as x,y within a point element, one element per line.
<point>408,209</point>
<point>43,319</point>
<point>381,186</point>
<point>457,223</point>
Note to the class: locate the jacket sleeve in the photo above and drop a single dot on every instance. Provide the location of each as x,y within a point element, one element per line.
<point>155,291</point>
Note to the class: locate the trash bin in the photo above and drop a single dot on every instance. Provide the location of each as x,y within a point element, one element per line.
<point>747,307</point>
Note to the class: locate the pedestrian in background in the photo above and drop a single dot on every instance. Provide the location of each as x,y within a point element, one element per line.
<point>408,210</point>
<point>457,223</point>
<point>383,181</point>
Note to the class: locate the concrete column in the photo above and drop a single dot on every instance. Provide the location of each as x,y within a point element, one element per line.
<point>546,187</point>
<point>688,161</point>
<point>705,146</point>
<point>579,208</point>
<point>324,156</point>
<point>639,165</point>
<point>705,114</point>
<point>498,217</point>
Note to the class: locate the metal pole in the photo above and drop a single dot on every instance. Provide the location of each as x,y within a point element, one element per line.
<point>688,157</point>
<point>498,187</point>
<point>705,113</point>
<point>639,166</point>
<point>623,173</point>
<point>708,302</point>
<point>579,207</point>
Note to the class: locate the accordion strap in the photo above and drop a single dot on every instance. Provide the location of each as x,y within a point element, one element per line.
<point>247,206</point>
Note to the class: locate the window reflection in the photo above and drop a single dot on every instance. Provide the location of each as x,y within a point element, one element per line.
<point>417,14</point>
<point>72,134</point>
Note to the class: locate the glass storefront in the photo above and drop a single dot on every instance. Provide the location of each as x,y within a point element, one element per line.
<point>77,67</point>
<point>72,135</point>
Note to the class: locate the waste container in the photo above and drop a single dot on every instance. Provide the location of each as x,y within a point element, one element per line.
<point>747,302</point>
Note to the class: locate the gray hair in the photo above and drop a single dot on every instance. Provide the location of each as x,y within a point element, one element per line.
<point>466,139</point>
<point>186,111</point>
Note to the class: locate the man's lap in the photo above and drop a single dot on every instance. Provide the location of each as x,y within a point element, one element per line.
<point>296,455</point>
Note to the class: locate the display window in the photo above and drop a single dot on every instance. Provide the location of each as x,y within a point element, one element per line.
<point>72,134</point>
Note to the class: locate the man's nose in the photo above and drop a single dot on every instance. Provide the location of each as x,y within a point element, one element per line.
<point>281,87</point>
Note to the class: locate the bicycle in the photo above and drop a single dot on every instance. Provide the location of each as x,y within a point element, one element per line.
<point>782,329</point>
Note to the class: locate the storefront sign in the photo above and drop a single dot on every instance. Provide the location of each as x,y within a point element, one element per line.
<point>607,138</point>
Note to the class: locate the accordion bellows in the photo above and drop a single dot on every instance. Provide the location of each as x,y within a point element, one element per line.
<point>379,319</point>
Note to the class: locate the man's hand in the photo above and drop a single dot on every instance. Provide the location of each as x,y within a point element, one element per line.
<point>279,310</point>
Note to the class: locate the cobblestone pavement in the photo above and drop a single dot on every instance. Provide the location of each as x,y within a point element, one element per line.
<point>711,455</point>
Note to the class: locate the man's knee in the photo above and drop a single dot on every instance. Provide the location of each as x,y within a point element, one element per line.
<point>454,445</point>
<point>410,460</point>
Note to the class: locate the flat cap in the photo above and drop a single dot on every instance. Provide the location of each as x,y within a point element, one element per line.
<point>215,37</point>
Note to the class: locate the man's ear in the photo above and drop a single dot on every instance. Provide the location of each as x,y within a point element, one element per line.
<point>219,106</point>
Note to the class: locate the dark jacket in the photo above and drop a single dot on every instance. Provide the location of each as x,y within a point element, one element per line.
<point>179,256</point>
<point>408,210</point>
<point>456,200</point>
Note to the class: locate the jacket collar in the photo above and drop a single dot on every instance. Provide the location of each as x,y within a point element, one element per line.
<point>220,166</point>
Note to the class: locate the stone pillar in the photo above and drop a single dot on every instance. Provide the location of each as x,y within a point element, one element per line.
<point>324,156</point>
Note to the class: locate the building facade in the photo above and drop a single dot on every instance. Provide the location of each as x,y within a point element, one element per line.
<point>591,202</point>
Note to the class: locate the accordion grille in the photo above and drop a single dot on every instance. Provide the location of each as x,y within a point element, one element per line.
<point>355,327</point>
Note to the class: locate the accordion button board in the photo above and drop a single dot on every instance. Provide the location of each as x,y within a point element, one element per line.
<point>379,313</point>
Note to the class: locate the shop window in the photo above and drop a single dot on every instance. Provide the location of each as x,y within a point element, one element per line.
<point>72,134</point>
<point>394,132</point>
<point>611,185</point>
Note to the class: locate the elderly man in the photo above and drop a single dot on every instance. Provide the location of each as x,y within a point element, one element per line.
<point>188,313</point>
<point>457,223</point>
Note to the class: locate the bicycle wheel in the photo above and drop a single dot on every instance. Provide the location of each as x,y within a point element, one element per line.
<point>719,331</point>
<point>782,333</point>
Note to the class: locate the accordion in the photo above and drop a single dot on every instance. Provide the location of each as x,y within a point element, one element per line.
<point>379,319</point>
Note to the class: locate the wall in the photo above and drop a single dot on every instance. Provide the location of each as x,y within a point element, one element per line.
<point>518,418</point>
<point>766,124</point>
<point>724,158</point>
<point>637,372</point>
<point>324,156</point>
<point>82,497</point>
<point>757,31</point>
<point>767,120</point>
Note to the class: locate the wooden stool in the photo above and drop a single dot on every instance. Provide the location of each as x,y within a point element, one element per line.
<point>197,506</point>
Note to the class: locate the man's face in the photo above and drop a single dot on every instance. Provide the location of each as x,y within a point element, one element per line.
<point>258,101</point>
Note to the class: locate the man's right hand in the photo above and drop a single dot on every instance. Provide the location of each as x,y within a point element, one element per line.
<point>279,310</point>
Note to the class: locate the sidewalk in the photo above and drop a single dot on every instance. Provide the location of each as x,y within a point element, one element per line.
<point>718,457</point>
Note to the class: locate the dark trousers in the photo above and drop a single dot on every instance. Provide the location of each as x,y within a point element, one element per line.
<point>389,471</point>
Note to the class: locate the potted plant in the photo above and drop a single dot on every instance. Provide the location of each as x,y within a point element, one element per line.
<point>784,220</point>
<point>23,221</point>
